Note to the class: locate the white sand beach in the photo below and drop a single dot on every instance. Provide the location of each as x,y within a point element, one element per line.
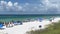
<point>28,26</point>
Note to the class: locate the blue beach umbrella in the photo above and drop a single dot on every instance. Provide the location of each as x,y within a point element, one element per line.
<point>1,25</point>
<point>40,19</point>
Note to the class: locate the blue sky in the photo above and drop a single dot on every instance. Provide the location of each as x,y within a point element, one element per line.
<point>24,1</point>
<point>29,6</point>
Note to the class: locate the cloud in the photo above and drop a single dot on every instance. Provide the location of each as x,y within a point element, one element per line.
<point>44,7</point>
<point>52,6</point>
<point>10,3</point>
<point>9,6</point>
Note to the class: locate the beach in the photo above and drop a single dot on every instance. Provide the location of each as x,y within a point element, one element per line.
<point>28,26</point>
<point>29,16</point>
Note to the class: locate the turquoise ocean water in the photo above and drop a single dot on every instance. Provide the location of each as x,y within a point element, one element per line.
<point>7,18</point>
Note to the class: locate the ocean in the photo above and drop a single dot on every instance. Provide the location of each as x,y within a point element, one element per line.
<point>7,18</point>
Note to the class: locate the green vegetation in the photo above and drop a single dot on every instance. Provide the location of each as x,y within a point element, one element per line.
<point>51,29</point>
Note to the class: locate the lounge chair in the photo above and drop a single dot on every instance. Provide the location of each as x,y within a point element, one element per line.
<point>18,23</point>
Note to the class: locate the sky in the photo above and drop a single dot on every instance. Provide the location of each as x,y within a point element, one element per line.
<point>29,6</point>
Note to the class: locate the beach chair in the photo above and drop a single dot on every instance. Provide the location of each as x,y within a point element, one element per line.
<point>18,23</point>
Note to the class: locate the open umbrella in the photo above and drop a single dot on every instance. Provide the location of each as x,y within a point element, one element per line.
<point>1,26</point>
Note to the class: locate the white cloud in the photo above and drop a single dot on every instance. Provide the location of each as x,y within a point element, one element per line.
<point>49,4</point>
<point>45,6</point>
<point>16,4</point>
<point>10,3</point>
<point>9,6</point>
